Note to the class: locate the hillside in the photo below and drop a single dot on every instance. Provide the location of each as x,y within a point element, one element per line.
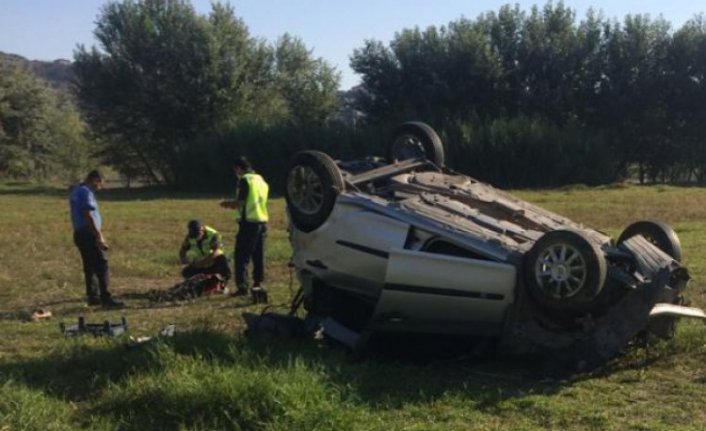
<point>57,73</point>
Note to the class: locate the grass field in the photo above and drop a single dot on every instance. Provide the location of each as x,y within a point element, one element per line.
<point>210,377</point>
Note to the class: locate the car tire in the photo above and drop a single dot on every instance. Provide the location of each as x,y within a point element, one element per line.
<point>660,234</point>
<point>313,183</point>
<point>564,270</point>
<point>415,140</point>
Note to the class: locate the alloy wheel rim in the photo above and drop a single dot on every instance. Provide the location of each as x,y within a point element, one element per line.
<point>561,271</point>
<point>305,190</point>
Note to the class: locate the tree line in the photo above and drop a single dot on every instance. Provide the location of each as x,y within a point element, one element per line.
<point>535,98</point>
<point>520,98</point>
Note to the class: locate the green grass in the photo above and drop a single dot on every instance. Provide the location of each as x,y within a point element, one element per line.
<point>211,377</point>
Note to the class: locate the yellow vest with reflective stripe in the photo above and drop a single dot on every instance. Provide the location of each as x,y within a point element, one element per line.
<point>200,249</point>
<point>256,201</point>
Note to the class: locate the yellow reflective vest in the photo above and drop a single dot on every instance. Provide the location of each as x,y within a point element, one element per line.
<point>198,249</point>
<point>256,202</point>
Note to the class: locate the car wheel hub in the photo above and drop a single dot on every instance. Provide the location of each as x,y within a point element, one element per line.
<point>305,189</point>
<point>561,271</point>
<point>407,147</point>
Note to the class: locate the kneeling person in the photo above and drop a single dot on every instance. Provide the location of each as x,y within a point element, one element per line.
<point>202,252</point>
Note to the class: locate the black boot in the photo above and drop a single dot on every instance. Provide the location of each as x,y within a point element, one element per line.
<point>111,303</point>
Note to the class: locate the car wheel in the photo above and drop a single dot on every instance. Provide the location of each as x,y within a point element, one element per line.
<point>658,233</point>
<point>415,140</point>
<point>564,270</point>
<point>313,182</point>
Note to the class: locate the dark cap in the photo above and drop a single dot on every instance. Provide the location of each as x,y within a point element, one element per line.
<point>194,228</point>
<point>242,163</point>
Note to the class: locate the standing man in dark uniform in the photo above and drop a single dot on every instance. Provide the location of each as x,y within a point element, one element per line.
<point>89,239</point>
<point>251,214</point>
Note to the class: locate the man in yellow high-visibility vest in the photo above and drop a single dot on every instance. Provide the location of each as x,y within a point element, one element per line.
<point>202,253</point>
<point>251,215</point>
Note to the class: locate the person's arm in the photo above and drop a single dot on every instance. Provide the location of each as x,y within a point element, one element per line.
<point>242,195</point>
<point>91,223</point>
<point>213,248</point>
<point>182,252</point>
<point>215,245</point>
<point>100,240</point>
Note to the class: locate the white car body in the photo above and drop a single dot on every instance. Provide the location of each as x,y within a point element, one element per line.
<point>407,245</point>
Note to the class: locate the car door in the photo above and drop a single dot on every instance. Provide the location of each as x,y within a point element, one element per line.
<point>429,292</point>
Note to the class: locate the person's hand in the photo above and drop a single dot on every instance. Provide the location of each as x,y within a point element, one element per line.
<point>102,244</point>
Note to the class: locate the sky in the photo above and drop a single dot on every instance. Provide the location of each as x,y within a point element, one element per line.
<point>332,29</point>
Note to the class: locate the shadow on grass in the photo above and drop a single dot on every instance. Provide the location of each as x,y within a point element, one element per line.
<point>77,371</point>
<point>23,313</point>
<point>135,386</point>
<point>74,307</point>
<point>80,370</point>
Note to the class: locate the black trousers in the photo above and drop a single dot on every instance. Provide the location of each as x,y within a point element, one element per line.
<point>220,266</point>
<point>250,244</point>
<point>95,264</point>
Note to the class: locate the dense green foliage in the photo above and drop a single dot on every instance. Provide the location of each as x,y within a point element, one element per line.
<point>209,165</point>
<point>165,79</point>
<point>41,133</point>
<point>528,96</point>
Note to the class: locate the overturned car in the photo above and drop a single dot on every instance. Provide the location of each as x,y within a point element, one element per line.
<point>404,244</point>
